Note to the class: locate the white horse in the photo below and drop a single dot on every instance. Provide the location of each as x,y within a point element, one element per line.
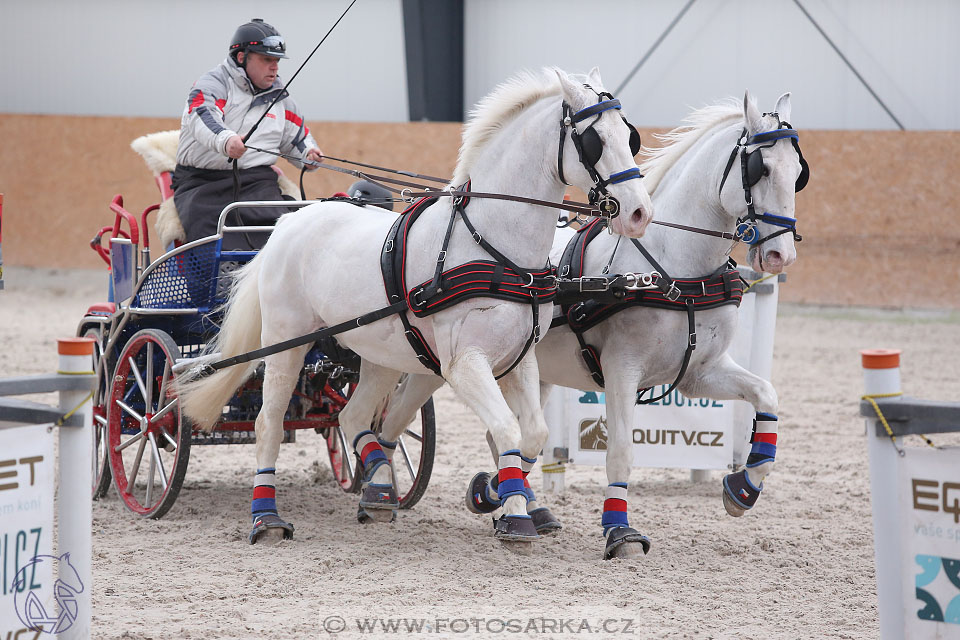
<point>693,183</point>
<point>322,266</point>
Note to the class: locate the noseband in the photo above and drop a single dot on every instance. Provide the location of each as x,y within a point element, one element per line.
<point>752,169</point>
<point>589,149</point>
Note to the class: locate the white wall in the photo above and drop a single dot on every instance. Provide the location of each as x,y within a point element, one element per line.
<point>139,58</point>
<point>908,51</point>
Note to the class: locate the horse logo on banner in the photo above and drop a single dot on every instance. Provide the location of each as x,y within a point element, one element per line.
<point>29,603</point>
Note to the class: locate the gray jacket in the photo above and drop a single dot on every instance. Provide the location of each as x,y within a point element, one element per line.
<point>224,103</point>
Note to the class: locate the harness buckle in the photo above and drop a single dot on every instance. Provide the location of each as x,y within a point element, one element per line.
<point>389,247</point>
<point>673,293</point>
<point>593,283</point>
<point>477,237</point>
<point>442,256</point>
<point>692,340</point>
<point>536,333</point>
<point>564,270</point>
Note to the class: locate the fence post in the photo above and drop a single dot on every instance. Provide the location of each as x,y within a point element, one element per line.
<point>881,377</point>
<point>76,477</point>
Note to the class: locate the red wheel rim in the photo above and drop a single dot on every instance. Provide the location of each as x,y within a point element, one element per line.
<point>144,420</point>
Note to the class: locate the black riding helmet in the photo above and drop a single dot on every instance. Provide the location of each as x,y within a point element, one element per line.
<point>372,193</point>
<point>259,37</point>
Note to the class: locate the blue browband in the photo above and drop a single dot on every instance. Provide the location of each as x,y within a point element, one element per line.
<point>623,176</point>
<point>594,109</point>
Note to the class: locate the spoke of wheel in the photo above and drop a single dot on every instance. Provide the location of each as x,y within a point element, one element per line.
<point>406,459</point>
<point>148,396</point>
<point>159,414</point>
<point>153,471</point>
<point>169,438</point>
<point>413,434</point>
<point>156,453</point>
<point>128,409</point>
<point>344,454</point>
<point>120,447</point>
<point>163,382</point>
<point>136,375</point>
<point>136,466</point>
<point>100,420</point>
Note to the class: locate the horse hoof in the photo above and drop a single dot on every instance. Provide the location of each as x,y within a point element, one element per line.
<point>476,498</point>
<point>731,507</point>
<point>545,522</point>
<point>365,518</point>
<point>515,529</point>
<point>270,529</point>
<point>624,542</point>
<point>739,494</point>
<point>379,501</point>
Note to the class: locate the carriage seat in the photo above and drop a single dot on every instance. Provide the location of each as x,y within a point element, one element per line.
<point>159,151</point>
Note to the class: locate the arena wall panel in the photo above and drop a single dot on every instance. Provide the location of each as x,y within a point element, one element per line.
<point>877,219</point>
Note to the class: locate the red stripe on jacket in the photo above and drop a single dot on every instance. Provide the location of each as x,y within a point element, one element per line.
<point>196,102</point>
<point>294,118</point>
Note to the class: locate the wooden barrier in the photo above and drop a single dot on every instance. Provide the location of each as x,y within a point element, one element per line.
<point>877,216</point>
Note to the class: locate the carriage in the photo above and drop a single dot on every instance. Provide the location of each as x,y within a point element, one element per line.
<point>159,315</point>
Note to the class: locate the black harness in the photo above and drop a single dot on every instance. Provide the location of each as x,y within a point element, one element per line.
<point>500,278</point>
<point>723,286</point>
<point>752,169</point>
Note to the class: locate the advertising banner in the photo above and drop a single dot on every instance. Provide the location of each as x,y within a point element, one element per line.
<point>27,564</point>
<point>929,504</point>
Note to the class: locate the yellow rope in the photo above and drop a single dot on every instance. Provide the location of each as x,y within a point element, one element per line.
<point>554,467</point>
<point>767,277</point>
<point>66,416</point>
<point>870,398</point>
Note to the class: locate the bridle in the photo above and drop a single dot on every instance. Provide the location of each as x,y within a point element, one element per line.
<point>589,149</point>
<point>752,169</point>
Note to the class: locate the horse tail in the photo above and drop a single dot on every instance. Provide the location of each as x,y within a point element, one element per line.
<point>202,398</point>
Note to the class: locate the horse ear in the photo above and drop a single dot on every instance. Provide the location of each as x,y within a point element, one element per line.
<point>594,78</point>
<point>751,115</point>
<point>783,107</point>
<point>571,90</point>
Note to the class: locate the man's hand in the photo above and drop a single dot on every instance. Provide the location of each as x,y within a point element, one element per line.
<point>313,155</point>
<point>235,147</point>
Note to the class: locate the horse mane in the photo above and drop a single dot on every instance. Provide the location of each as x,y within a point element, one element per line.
<point>508,100</point>
<point>658,161</point>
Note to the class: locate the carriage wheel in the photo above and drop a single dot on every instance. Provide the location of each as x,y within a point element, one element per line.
<point>412,461</point>
<point>149,440</point>
<point>101,463</point>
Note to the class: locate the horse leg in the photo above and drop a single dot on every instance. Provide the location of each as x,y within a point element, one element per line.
<point>621,389</point>
<point>378,497</point>
<point>470,376</point>
<point>281,373</point>
<point>482,490</point>
<point>730,381</point>
<point>521,390</point>
<point>403,405</point>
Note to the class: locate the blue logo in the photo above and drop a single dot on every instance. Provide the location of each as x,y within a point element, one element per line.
<point>30,607</point>
<point>943,611</point>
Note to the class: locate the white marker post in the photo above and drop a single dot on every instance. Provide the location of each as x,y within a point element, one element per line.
<point>881,377</point>
<point>76,477</point>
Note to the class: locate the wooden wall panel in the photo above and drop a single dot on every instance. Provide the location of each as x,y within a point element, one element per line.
<point>878,217</point>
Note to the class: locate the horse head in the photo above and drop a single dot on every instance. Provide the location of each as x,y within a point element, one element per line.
<point>597,149</point>
<point>772,169</point>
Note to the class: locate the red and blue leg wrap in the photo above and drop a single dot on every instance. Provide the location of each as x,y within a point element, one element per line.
<point>371,454</point>
<point>264,493</point>
<point>615,507</point>
<point>510,476</point>
<point>764,440</point>
<point>526,464</point>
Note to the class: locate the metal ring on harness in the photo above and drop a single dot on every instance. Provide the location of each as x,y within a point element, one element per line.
<point>608,206</point>
<point>748,232</point>
<point>529,284</point>
<point>406,197</point>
